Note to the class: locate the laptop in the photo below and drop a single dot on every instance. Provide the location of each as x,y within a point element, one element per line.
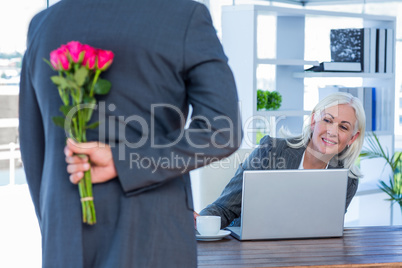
<point>292,204</point>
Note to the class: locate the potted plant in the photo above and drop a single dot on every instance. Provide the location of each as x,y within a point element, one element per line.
<point>274,100</point>
<point>268,100</point>
<point>261,99</point>
<point>374,150</point>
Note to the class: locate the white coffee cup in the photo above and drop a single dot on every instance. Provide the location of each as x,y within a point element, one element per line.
<point>208,225</point>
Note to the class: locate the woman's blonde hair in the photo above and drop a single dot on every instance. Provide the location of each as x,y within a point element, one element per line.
<point>349,155</point>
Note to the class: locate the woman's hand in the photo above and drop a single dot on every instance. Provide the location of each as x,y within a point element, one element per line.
<point>195,219</point>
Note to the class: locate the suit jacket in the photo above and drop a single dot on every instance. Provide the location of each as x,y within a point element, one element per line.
<point>167,57</point>
<point>272,153</point>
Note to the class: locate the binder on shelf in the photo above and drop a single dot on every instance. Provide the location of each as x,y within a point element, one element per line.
<point>386,108</point>
<point>373,50</point>
<point>330,66</point>
<point>374,110</point>
<point>386,111</point>
<point>389,52</point>
<point>368,107</point>
<point>380,51</point>
<point>365,61</point>
<point>379,109</point>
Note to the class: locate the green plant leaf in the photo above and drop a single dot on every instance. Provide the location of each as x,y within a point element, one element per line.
<point>391,190</point>
<point>64,96</point>
<point>93,125</point>
<point>60,81</point>
<point>261,100</point>
<point>374,149</point>
<point>396,160</point>
<point>274,100</point>
<point>384,187</point>
<point>49,63</point>
<point>89,99</point>
<point>58,121</point>
<point>57,79</point>
<point>65,109</point>
<point>72,84</point>
<point>77,95</point>
<point>89,111</point>
<point>80,76</point>
<point>102,87</point>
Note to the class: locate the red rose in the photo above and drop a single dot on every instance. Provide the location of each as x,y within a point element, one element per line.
<point>76,51</point>
<point>105,58</point>
<point>54,60</point>
<point>59,59</point>
<point>89,57</point>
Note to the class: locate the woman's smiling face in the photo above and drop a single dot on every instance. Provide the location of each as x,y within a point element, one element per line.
<point>333,129</point>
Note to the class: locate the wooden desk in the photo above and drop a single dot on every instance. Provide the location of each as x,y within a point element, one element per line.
<point>359,247</point>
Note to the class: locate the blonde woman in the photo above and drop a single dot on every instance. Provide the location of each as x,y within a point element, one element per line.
<point>332,138</point>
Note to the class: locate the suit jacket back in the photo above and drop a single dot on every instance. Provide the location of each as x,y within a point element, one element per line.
<point>166,52</point>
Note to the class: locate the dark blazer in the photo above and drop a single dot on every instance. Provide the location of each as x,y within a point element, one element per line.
<point>166,52</point>
<point>273,153</point>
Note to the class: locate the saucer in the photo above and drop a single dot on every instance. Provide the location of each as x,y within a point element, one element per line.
<point>221,234</point>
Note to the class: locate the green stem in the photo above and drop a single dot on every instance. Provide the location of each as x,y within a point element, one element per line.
<point>81,189</point>
<point>76,136</point>
<point>88,206</point>
<point>81,115</point>
<point>97,73</point>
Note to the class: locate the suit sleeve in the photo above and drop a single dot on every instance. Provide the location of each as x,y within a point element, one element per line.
<point>228,204</point>
<point>215,128</point>
<point>351,191</point>
<point>31,135</point>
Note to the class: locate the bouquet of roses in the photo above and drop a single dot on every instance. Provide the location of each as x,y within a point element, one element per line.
<point>79,66</point>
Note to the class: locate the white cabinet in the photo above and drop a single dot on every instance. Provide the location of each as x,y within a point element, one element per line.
<point>269,48</point>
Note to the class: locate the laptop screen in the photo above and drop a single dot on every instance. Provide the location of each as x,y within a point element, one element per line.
<point>284,204</point>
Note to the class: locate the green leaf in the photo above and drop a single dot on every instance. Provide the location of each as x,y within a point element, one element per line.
<point>261,99</point>
<point>58,121</point>
<point>274,100</point>
<point>80,75</point>
<point>64,96</point>
<point>65,109</point>
<point>392,190</point>
<point>77,95</point>
<point>102,87</point>
<point>396,161</point>
<point>374,149</point>
<point>58,80</point>
<point>72,84</point>
<point>89,100</point>
<point>93,125</point>
<point>50,64</point>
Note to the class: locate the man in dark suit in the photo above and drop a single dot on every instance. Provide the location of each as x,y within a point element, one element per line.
<point>167,57</point>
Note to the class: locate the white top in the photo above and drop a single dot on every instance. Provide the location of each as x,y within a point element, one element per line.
<point>301,162</point>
